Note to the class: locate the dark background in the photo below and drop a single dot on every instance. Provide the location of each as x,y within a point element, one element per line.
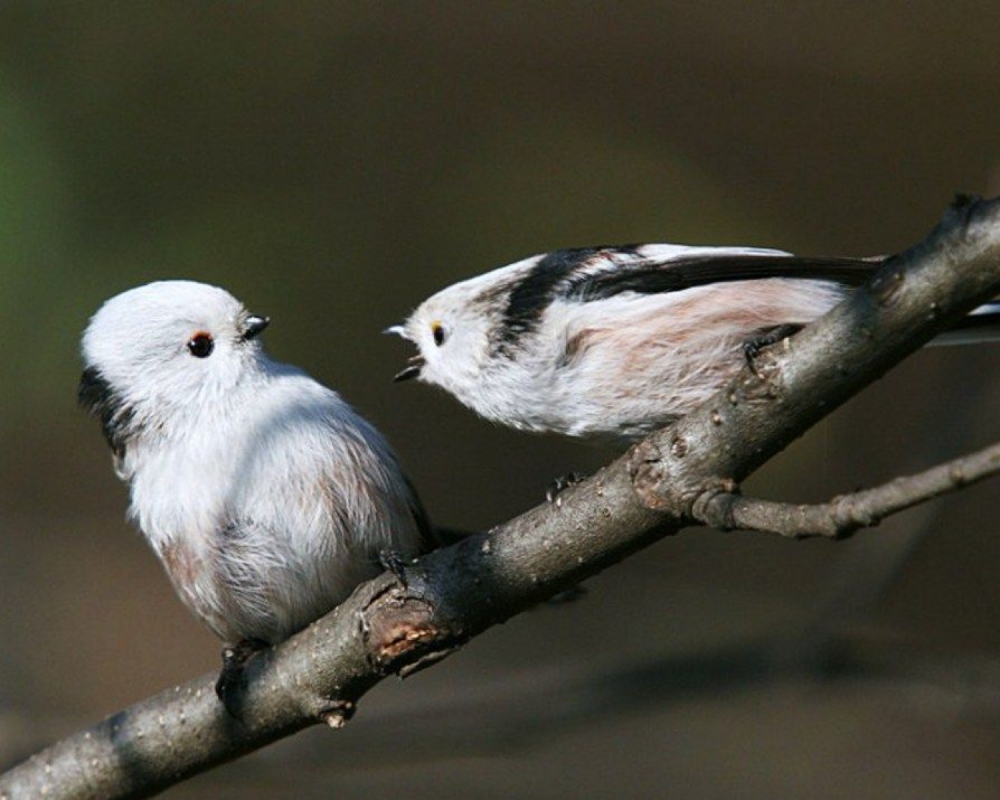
<point>332,164</point>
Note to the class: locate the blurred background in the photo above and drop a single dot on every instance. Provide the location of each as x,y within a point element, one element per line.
<point>334,163</point>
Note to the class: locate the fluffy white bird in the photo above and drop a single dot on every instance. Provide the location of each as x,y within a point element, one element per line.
<point>265,495</point>
<point>615,342</point>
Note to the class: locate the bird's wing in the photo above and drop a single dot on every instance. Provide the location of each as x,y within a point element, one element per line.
<point>649,274</point>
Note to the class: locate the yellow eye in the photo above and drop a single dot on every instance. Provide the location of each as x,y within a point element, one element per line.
<point>437,330</point>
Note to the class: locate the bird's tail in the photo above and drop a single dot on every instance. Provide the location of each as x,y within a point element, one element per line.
<point>981,325</point>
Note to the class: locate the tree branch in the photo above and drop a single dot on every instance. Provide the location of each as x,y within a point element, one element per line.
<point>847,513</point>
<point>395,625</point>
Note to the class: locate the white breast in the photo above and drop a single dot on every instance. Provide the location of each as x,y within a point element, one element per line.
<point>267,516</point>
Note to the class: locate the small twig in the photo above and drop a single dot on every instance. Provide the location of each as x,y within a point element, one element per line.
<point>848,513</point>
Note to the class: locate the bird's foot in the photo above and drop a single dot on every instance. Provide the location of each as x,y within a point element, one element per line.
<point>393,561</point>
<point>561,484</point>
<point>232,678</point>
<point>753,347</point>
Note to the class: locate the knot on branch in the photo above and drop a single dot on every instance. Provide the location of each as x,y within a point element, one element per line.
<point>645,471</point>
<point>715,504</point>
<point>337,713</point>
<point>658,486</point>
<point>888,282</point>
<point>957,220</point>
<point>847,516</point>
<point>405,631</point>
<point>650,474</point>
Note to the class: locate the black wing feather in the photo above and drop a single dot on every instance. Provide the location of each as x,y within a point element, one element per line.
<point>531,294</point>
<point>563,274</point>
<point>686,272</point>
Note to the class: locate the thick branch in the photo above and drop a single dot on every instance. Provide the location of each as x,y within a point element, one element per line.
<point>848,513</point>
<point>392,626</point>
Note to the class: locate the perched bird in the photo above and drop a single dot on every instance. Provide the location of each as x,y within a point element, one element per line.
<point>265,496</point>
<point>614,342</point>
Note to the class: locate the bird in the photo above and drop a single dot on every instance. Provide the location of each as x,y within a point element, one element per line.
<point>609,343</point>
<point>265,496</point>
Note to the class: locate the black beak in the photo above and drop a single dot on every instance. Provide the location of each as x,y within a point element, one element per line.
<point>413,367</point>
<point>254,325</point>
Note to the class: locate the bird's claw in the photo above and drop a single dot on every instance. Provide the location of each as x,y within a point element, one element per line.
<point>752,347</point>
<point>232,678</point>
<point>394,562</point>
<point>561,484</point>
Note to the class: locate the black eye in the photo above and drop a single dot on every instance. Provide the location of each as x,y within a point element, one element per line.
<point>438,332</point>
<point>201,345</point>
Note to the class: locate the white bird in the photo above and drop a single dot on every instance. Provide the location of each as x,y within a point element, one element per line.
<point>614,342</point>
<point>266,497</point>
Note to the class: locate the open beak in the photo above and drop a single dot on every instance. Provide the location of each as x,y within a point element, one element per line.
<point>254,325</point>
<point>412,370</point>
<point>415,364</point>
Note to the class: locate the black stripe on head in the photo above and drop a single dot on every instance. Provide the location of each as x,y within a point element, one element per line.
<point>97,397</point>
<point>545,281</point>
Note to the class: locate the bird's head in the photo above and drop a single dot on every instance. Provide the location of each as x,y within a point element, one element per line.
<point>165,349</point>
<point>454,333</point>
